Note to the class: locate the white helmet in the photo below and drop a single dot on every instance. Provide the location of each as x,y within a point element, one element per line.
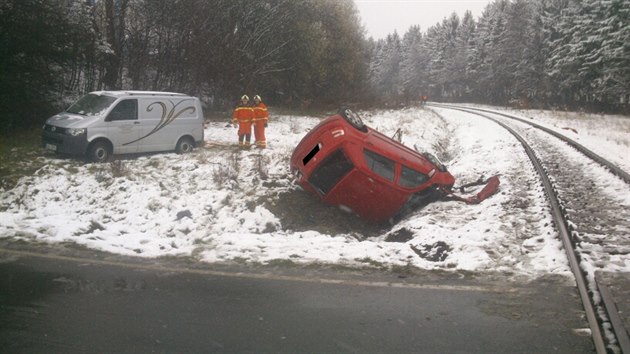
<point>257,98</point>
<point>244,98</point>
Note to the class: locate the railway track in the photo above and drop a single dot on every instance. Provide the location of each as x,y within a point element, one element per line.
<point>592,223</point>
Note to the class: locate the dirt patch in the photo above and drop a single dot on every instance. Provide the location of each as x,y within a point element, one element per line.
<point>401,235</point>
<point>300,211</point>
<point>17,163</point>
<point>436,252</point>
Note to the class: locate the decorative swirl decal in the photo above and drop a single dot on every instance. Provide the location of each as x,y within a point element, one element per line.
<point>167,117</point>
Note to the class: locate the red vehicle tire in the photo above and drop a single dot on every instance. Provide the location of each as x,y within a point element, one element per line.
<point>354,119</point>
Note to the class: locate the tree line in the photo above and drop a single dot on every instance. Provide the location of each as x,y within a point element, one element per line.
<point>299,53</point>
<point>567,54</point>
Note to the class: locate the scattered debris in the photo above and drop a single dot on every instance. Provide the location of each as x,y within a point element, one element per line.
<point>436,252</point>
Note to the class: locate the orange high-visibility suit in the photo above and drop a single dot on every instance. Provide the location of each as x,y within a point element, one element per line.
<point>261,116</point>
<point>243,115</point>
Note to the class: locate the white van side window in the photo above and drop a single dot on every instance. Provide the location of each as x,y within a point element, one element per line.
<point>124,110</point>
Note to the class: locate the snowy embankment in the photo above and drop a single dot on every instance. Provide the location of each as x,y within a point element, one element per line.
<point>220,204</point>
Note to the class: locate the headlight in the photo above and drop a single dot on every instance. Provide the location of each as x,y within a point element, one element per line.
<point>75,131</point>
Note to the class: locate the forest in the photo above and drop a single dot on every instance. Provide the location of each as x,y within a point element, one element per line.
<point>301,54</point>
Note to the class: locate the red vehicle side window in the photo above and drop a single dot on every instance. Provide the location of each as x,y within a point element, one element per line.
<point>380,164</point>
<point>330,171</point>
<point>411,178</point>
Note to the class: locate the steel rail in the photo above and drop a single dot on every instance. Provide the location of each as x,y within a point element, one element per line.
<point>616,170</point>
<point>623,340</point>
<point>564,233</point>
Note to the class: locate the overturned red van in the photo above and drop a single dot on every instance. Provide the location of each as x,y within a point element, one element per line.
<point>347,164</point>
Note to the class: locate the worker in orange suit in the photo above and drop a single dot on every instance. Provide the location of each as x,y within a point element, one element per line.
<point>261,116</point>
<point>243,115</point>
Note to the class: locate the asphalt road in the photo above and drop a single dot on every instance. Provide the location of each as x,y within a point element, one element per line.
<point>80,301</point>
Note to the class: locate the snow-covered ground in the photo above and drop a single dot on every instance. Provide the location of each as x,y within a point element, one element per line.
<point>220,203</point>
<point>605,135</point>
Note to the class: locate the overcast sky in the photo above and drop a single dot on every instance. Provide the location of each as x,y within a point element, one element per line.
<point>381,17</point>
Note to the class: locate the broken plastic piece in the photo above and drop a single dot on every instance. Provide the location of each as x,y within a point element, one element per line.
<point>491,187</point>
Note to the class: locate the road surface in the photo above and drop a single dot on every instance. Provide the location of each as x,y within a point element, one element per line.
<point>56,300</point>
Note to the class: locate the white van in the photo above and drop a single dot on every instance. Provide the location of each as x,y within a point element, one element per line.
<point>106,123</point>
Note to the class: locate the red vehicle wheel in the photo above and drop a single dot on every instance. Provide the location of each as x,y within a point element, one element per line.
<point>353,119</point>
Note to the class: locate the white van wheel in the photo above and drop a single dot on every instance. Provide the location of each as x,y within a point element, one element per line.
<point>184,145</point>
<point>99,151</point>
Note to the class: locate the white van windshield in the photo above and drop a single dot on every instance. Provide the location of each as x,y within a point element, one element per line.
<point>91,105</point>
